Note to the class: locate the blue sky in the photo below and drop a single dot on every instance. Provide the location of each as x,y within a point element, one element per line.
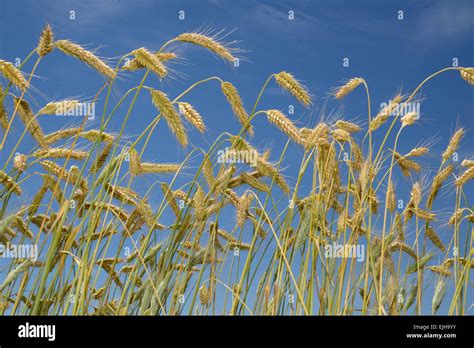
<point>390,54</point>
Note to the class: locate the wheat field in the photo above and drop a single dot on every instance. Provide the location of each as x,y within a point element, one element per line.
<point>225,232</point>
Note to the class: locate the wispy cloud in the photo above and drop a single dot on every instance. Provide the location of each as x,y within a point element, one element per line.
<point>91,13</point>
<point>447,21</point>
<point>309,22</point>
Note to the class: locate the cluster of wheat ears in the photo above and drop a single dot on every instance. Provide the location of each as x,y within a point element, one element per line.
<point>271,260</point>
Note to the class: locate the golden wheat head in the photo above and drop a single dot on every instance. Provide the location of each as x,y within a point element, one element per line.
<point>289,83</point>
<point>162,103</point>
<point>209,43</point>
<point>45,44</point>
<point>78,52</point>
<point>13,75</point>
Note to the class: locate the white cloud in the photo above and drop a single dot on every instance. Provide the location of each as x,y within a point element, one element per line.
<point>447,21</point>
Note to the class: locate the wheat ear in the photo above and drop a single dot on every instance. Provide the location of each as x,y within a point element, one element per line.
<point>288,82</point>
<point>192,116</point>
<point>348,87</point>
<point>284,124</point>
<point>162,103</point>
<point>45,44</point>
<point>208,43</point>
<point>13,75</point>
<point>150,61</point>
<point>76,51</point>
<point>233,97</point>
<point>30,122</point>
